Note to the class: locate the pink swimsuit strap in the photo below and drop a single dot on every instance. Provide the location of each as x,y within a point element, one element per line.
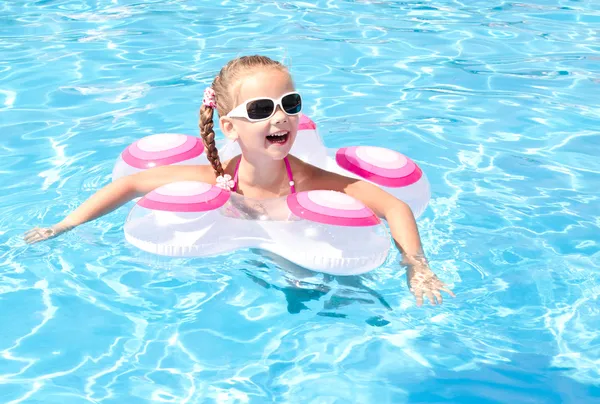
<point>288,168</point>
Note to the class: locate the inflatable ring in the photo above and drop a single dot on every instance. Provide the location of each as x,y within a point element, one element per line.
<point>324,231</point>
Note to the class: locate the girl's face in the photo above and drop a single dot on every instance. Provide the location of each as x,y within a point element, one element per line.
<point>274,136</point>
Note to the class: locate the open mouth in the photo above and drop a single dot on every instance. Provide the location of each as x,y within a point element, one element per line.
<point>278,138</point>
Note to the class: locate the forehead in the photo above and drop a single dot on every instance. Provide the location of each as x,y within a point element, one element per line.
<point>265,83</point>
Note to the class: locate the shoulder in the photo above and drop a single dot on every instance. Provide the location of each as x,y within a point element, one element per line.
<point>316,178</point>
<point>309,177</point>
<point>229,165</point>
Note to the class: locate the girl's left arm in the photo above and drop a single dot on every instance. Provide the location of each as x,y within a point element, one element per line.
<point>399,216</point>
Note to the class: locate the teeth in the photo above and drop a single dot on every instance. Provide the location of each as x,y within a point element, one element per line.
<point>278,134</point>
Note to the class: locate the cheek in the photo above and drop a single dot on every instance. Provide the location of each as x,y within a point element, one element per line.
<point>295,121</point>
<point>252,134</point>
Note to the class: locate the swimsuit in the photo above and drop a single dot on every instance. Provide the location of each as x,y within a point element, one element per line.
<point>288,168</point>
<point>254,209</point>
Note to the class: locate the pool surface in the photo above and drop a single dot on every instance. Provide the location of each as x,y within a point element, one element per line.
<point>498,102</point>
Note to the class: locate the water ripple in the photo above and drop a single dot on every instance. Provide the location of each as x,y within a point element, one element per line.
<point>497,101</point>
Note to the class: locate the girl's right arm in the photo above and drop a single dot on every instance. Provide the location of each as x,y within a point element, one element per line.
<point>118,193</point>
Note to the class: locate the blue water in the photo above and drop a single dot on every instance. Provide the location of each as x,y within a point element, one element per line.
<point>496,100</point>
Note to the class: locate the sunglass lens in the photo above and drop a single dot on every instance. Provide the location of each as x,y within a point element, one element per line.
<point>260,109</point>
<point>292,103</point>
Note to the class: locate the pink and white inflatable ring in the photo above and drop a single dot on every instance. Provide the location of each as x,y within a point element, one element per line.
<point>185,196</point>
<point>384,167</point>
<point>162,149</point>
<point>306,123</point>
<point>331,207</point>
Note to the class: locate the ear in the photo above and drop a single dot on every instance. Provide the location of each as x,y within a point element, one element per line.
<point>228,128</point>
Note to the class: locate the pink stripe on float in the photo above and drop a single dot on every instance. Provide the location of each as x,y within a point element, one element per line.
<point>407,175</point>
<point>335,200</point>
<point>193,148</point>
<point>305,201</point>
<point>204,197</point>
<point>142,154</point>
<point>306,123</point>
<point>212,204</point>
<point>351,155</point>
<point>300,211</point>
<point>377,156</point>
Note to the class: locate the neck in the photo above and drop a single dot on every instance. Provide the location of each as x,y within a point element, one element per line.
<point>261,173</point>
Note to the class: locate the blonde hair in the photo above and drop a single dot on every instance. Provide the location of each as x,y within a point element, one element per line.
<point>223,85</point>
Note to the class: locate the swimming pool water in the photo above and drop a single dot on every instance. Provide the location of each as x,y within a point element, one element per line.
<point>496,100</point>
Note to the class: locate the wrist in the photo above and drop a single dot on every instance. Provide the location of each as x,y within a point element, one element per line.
<point>64,226</point>
<point>414,260</point>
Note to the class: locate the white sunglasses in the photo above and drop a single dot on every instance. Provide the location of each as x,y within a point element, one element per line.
<point>262,108</point>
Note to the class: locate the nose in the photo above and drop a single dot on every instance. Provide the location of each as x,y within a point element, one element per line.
<point>279,116</point>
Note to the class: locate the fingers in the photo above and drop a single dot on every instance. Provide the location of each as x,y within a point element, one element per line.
<point>429,295</point>
<point>434,296</point>
<point>438,296</point>
<point>418,296</point>
<point>37,234</point>
<point>33,231</point>
<point>32,235</point>
<point>432,293</point>
<point>439,285</point>
<point>33,239</point>
<point>428,284</point>
<point>445,289</point>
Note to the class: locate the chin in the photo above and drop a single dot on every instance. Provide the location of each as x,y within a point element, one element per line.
<point>279,154</point>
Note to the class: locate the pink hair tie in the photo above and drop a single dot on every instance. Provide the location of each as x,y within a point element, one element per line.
<point>209,99</point>
<point>225,182</point>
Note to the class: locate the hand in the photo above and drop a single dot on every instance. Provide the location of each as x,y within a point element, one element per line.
<point>38,234</point>
<point>422,281</point>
